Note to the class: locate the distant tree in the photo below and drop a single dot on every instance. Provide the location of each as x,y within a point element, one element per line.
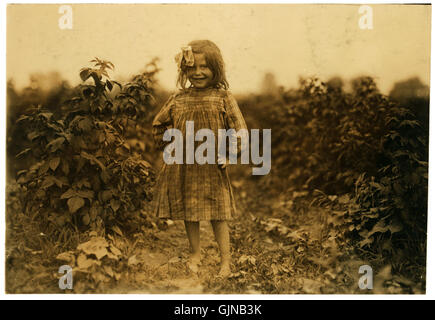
<point>414,94</point>
<point>335,83</point>
<point>45,81</point>
<point>364,85</point>
<point>269,86</point>
<point>410,88</point>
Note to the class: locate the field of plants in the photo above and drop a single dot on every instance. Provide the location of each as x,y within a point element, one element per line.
<point>348,187</point>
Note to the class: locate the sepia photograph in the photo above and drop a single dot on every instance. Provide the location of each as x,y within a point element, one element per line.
<point>202,149</point>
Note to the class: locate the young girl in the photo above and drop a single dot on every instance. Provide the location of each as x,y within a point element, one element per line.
<point>198,192</point>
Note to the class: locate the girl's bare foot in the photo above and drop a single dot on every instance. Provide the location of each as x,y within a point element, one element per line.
<point>225,270</point>
<point>220,229</point>
<point>193,264</point>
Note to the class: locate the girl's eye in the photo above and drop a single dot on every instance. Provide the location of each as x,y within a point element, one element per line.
<point>193,68</point>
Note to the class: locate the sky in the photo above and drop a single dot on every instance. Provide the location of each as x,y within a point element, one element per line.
<point>287,40</point>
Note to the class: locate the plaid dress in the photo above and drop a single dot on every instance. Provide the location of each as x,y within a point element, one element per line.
<point>195,192</point>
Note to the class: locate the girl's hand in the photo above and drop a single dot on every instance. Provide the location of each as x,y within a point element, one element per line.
<point>222,165</point>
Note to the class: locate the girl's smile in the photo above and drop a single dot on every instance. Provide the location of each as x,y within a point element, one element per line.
<point>200,75</point>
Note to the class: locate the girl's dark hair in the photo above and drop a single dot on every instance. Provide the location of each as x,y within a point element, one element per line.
<point>214,60</point>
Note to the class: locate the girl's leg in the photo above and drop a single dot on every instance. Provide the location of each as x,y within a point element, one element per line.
<point>222,235</point>
<point>192,230</point>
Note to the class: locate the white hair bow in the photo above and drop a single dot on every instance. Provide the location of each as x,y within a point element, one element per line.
<point>186,54</point>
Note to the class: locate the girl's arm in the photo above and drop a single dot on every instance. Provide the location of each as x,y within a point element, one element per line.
<point>234,116</point>
<point>162,121</point>
<point>235,120</point>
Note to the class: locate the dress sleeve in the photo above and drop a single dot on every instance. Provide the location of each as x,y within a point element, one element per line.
<point>162,121</point>
<point>234,120</point>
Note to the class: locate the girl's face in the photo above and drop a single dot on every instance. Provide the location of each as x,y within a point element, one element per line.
<point>200,75</point>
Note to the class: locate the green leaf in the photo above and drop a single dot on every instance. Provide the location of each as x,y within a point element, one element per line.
<point>61,181</point>
<point>115,204</point>
<point>96,75</point>
<point>115,250</point>
<point>109,85</point>
<point>68,194</point>
<point>101,137</point>
<point>96,246</point>
<point>22,118</point>
<point>132,261</point>
<point>85,124</point>
<point>381,227</point>
<point>46,115</point>
<point>83,182</point>
<point>44,168</point>
<point>89,194</point>
<point>48,182</point>
<point>55,144</point>
<point>67,256</point>
<point>65,166</point>
<point>105,176</point>
<point>33,135</point>
<point>118,231</point>
<point>118,84</point>
<point>105,195</point>
<point>92,159</point>
<point>75,203</point>
<point>411,123</point>
<point>94,211</point>
<point>395,226</point>
<point>344,199</point>
<point>365,242</point>
<point>83,263</point>
<point>23,152</point>
<point>19,173</point>
<point>54,163</point>
<point>85,74</point>
<point>86,219</point>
